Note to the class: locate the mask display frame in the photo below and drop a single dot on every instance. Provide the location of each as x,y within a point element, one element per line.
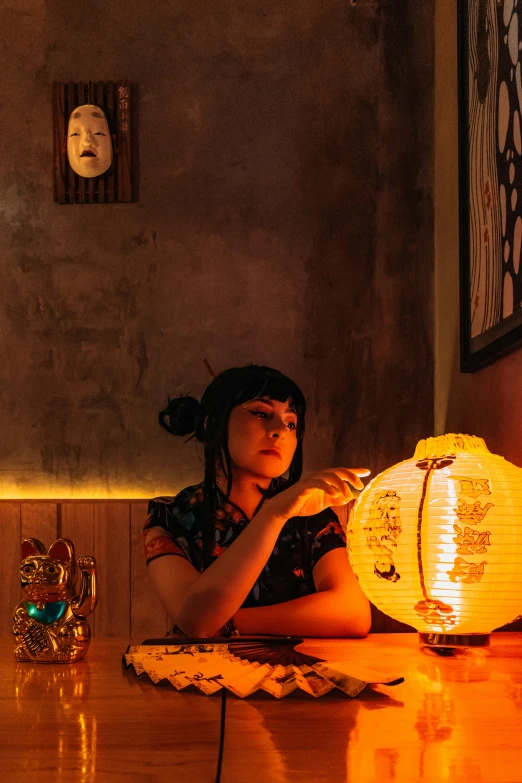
<point>118,183</point>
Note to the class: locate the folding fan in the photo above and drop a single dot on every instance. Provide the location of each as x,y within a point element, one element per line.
<point>244,665</point>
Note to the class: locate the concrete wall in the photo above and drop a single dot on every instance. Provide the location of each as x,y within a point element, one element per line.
<point>285,217</point>
<point>488,402</point>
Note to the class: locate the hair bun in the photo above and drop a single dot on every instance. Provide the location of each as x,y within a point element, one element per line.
<point>183,416</point>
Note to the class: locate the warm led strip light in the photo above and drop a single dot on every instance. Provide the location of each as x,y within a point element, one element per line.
<point>87,493</point>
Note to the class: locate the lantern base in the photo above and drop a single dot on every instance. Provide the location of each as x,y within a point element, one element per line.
<point>454,639</point>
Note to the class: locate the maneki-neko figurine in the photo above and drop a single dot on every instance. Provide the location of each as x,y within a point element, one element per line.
<point>50,623</point>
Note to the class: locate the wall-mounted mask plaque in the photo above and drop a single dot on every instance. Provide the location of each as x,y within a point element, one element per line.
<point>89,143</point>
<point>93,161</point>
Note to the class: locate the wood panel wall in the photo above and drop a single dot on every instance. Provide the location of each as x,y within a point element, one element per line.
<point>108,530</point>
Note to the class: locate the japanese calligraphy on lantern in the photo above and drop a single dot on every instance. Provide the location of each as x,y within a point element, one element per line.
<point>472,512</point>
<point>472,488</point>
<point>383,530</point>
<point>469,540</point>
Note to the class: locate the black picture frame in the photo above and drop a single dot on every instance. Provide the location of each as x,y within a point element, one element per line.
<point>505,334</point>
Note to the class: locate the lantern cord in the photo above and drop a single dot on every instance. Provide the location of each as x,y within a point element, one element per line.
<point>221,734</point>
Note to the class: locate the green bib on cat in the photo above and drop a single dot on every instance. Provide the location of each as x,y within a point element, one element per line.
<point>49,614</point>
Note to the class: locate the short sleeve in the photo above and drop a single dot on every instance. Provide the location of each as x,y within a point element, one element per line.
<point>327,534</point>
<point>164,534</point>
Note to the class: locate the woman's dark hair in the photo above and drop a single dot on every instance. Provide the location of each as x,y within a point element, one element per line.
<point>208,420</point>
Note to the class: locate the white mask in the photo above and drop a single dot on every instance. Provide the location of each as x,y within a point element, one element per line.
<point>89,145</point>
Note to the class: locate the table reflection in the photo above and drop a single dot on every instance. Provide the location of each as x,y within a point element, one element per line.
<point>50,698</point>
<point>454,719</point>
<point>445,733</point>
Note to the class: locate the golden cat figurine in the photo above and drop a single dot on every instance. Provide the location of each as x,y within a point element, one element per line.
<point>49,623</point>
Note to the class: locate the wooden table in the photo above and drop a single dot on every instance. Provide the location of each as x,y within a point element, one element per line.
<point>453,719</point>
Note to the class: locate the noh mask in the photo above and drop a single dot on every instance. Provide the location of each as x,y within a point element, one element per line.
<point>89,145</point>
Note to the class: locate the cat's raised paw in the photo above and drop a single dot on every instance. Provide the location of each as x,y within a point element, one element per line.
<point>86,563</point>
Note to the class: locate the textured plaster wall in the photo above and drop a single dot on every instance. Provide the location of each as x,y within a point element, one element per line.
<point>284,217</point>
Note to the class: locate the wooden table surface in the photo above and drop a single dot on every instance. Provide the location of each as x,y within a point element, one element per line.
<point>453,719</point>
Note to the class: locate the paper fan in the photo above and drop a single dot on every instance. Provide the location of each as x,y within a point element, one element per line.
<point>245,665</point>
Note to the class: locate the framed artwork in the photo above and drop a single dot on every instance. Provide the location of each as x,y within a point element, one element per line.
<point>490,179</point>
<point>92,133</point>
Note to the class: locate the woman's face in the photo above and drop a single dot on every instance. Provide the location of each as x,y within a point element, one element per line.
<point>262,437</point>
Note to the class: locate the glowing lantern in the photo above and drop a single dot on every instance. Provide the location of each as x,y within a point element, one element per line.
<point>436,541</point>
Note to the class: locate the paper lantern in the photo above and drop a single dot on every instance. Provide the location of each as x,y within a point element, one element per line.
<point>436,541</point>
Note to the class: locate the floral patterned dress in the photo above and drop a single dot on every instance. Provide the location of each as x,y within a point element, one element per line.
<point>180,526</point>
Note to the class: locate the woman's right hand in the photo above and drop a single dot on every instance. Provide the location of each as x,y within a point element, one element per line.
<point>315,492</point>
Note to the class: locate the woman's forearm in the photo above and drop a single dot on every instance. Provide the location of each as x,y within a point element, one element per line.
<point>326,613</point>
<point>216,595</point>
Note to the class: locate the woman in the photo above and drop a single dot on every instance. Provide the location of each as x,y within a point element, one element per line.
<point>254,549</point>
